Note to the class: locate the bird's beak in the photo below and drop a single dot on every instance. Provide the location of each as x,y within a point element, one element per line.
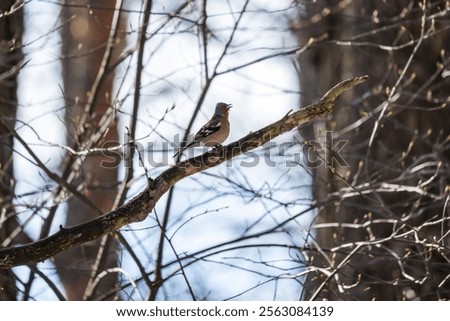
<point>229,106</point>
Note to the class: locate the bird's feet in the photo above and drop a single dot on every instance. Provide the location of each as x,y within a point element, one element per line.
<point>217,150</point>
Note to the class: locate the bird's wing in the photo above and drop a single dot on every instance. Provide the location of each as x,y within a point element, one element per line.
<point>208,129</point>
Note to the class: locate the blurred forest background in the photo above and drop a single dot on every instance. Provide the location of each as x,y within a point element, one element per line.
<point>362,215</point>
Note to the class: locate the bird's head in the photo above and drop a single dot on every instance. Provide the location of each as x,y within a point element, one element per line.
<point>222,109</point>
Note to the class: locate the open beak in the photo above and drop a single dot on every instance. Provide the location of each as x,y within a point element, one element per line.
<point>229,106</point>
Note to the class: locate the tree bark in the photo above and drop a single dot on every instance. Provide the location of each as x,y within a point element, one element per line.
<point>87,90</point>
<point>399,126</point>
<point>11,28</point>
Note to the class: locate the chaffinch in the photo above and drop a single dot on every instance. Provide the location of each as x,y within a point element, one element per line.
<point>214,132</point>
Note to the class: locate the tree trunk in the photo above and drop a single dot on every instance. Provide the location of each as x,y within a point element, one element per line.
<point>84,39</point>
<point>398,153</point>
<point>11,27</point>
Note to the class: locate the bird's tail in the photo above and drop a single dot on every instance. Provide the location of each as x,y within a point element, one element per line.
<point>181,150</point>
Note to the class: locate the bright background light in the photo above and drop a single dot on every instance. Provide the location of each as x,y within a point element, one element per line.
<point>209,207</point>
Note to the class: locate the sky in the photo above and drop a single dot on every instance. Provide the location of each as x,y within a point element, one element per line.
<point>210,207</point>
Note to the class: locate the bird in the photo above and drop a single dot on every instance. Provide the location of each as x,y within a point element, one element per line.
<point>214,132</point>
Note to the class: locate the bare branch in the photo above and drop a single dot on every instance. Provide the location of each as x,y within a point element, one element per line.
<point>137,209</point>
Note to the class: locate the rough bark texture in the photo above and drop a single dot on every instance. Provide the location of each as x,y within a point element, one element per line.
<point>11,27</point>
<point>397,155</point>
<point>88,100</point>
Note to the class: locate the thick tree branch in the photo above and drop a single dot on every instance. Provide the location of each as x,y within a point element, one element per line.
<point>140,206</point>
